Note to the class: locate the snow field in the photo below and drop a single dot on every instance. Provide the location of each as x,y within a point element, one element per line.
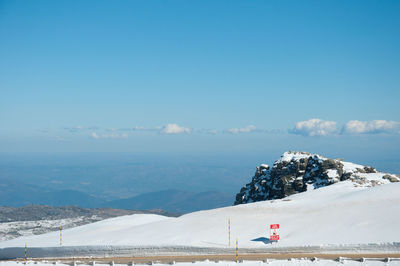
<point>340,214</point>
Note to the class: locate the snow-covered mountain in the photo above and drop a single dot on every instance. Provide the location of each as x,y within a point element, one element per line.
<point>339,214</point>
<point>297,172</point>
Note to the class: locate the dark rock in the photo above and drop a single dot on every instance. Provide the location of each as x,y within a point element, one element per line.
<point>345,176</point>
<point>361,170</point>
<point>369,169</point>
<point>295,172</point>
<point>391,178</point>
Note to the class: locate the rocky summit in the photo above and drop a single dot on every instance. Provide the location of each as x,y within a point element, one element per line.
<point>297,172</point>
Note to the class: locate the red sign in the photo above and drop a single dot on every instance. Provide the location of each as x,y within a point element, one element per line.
<point>274,229</point>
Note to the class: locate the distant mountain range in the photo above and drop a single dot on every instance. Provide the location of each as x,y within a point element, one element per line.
<point>174,201</point>
<point>18,194</point>
<point>43,212</point>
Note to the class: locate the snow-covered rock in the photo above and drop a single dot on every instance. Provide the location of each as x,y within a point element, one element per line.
<point>297,172</point>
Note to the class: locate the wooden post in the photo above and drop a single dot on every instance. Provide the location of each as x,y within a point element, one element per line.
<point>237,250</point>
<point>229,232</point>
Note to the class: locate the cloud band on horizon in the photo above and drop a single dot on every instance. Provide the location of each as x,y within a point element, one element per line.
<point>319,127</point>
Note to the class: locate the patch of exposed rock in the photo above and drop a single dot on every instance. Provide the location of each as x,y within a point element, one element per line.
<point>297,172</point>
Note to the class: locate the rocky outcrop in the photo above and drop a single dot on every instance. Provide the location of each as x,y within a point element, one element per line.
<point>297,172</point>
<point>391,178</point>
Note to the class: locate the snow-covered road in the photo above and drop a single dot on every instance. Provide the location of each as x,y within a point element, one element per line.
<point>272,262</point>
<point>127,251</point>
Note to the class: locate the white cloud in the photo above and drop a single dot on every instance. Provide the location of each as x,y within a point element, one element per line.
<point>141,128</point>
<point>174,129</point>
<point>109,136</point>
<point>247,129</point>
<point>371,127</point>
<point>314,127</point>
<point>94,135</point>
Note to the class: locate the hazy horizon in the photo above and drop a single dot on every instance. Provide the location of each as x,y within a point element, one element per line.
<point>130,174</point>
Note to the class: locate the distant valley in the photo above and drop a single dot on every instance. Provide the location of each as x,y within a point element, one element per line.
<point>17,194</point>
<point>40,219</point>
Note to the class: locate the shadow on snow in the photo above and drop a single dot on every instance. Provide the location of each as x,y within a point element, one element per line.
<point>265,240</point>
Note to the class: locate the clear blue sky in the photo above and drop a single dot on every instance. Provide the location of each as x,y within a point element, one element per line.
<point>82,75</point>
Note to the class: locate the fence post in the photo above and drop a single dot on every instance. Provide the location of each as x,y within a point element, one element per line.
<point>229,232</point>
<point>237,250</point>
<point>25,252</point>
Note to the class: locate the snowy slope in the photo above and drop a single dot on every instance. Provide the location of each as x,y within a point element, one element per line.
<point>341,213</point>
<point>13,230</point>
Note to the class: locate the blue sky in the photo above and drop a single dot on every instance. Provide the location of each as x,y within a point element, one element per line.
<point>200,76</point>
